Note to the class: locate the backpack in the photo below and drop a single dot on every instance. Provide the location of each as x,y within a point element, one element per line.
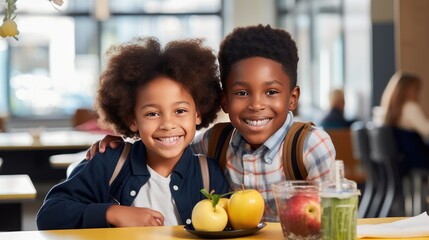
<point>293,162</point>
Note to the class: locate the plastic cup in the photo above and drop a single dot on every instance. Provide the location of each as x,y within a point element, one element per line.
<point>298,208</point>
<point>339,211</point>
<point>339,201</point>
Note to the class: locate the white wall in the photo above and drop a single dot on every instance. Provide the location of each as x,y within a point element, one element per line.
<point>248,12</point>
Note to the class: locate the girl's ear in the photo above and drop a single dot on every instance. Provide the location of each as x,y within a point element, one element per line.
<point>133,126</point>
<point>224,102</point>
<point>198,118</point>
<point>293,98</point>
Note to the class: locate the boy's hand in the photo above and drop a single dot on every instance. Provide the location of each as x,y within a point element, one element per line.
<point>125,216</point>
<point>100,146</point>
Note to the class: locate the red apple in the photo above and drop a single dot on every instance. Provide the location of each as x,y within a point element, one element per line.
<point>301,215</point>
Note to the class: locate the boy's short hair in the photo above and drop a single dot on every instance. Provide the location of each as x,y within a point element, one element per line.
<point>134,64</point>
<point>259,41</point>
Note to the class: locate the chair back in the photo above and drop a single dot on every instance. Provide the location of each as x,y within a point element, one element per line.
<point>413,149</point>
<point>360,142</point>
<point>384,153</point>
<point>382,144</point>
<point>342,140</point>
<point>83,115</point>
<point>360,148</point>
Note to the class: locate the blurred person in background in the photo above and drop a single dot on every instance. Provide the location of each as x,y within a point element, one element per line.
<point>401,110</point>
<point>335,117</point>
<point>400,103</point>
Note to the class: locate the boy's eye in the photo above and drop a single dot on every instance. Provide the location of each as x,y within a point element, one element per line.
<point>241,93</point>
<point>272,92</point>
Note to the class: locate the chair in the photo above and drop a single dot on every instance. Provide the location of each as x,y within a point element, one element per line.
<point>83,115</point>
<point>415,165</point>
<point>342,140</point>
<point>360,146</point>
<point>386,158</point>
<point>2,124</point>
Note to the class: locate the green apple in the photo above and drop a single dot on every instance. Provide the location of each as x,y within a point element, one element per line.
<point>245,209</point>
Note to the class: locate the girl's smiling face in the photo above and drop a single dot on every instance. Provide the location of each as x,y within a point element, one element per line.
<point>166,118</point>
<point>257,98</point>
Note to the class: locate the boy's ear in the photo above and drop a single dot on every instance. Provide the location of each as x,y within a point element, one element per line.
<point>224,102</point>
<point>294,97</point>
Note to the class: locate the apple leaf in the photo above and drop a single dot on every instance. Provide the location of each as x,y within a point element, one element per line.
<point>214,198</point>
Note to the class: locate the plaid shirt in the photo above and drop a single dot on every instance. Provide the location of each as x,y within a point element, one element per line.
<point>260,168</point>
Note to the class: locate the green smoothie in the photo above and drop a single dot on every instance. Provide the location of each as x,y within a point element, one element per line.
<point>339,203</point>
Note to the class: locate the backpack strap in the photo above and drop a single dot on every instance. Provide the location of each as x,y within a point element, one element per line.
<point>293,161</point>
<point>219,141</point>
<point>121,162</point>
<point>204,172</point>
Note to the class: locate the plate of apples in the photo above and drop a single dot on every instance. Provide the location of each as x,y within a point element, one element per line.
<point>220,217</point>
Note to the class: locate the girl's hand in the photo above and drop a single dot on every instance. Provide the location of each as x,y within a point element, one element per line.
<point>125,216</point>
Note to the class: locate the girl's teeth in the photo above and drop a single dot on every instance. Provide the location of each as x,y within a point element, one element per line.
<point>170,139</point>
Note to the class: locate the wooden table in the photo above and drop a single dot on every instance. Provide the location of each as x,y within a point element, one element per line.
<point>58,139</point>
<point>271,231</point>
<point>14,190</point>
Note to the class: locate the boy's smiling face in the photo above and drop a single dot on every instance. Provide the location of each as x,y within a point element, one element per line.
<point>257,98</point>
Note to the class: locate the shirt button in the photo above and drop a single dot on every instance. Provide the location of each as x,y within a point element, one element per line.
<point>250,175</point>
<point>133,193</point>
<point>175,187</point>
<point>188,221</point>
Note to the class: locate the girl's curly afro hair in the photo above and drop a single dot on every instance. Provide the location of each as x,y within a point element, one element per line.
<point>133,64</point>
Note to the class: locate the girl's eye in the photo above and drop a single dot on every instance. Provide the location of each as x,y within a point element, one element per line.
<point>241,93</point>
<point>180,111</point>
<point>152,114</point>
<point>272,92</point>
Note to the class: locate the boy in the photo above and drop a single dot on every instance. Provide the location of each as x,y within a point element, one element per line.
<point>153,95</point>
<point>258,66</point>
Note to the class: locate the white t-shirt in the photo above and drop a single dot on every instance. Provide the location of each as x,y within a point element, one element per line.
<point>156,195</point>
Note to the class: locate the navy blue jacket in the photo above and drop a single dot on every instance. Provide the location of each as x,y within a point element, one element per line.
<point>83,199</point>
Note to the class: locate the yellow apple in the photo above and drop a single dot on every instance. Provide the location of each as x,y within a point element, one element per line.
<point>205,217</point>
<point>208,214</point>
<point>223,202</point>
<point>245,209</point>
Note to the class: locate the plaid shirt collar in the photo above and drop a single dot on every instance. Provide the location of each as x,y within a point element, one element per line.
<point>270,147</point>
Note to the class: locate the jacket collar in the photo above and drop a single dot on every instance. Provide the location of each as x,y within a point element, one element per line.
<point>138,160</point>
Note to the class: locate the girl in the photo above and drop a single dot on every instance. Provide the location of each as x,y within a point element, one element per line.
<point>159,96</point>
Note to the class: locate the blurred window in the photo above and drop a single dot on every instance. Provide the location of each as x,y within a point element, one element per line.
<point>333,39</point>
<point>53,68</point>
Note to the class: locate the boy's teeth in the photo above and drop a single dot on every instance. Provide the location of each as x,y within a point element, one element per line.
<point>257,122</point>
<point>169,139</point>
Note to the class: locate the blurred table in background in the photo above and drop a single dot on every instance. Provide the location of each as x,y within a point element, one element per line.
<point>14,190</point>
<point>28,152</point>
